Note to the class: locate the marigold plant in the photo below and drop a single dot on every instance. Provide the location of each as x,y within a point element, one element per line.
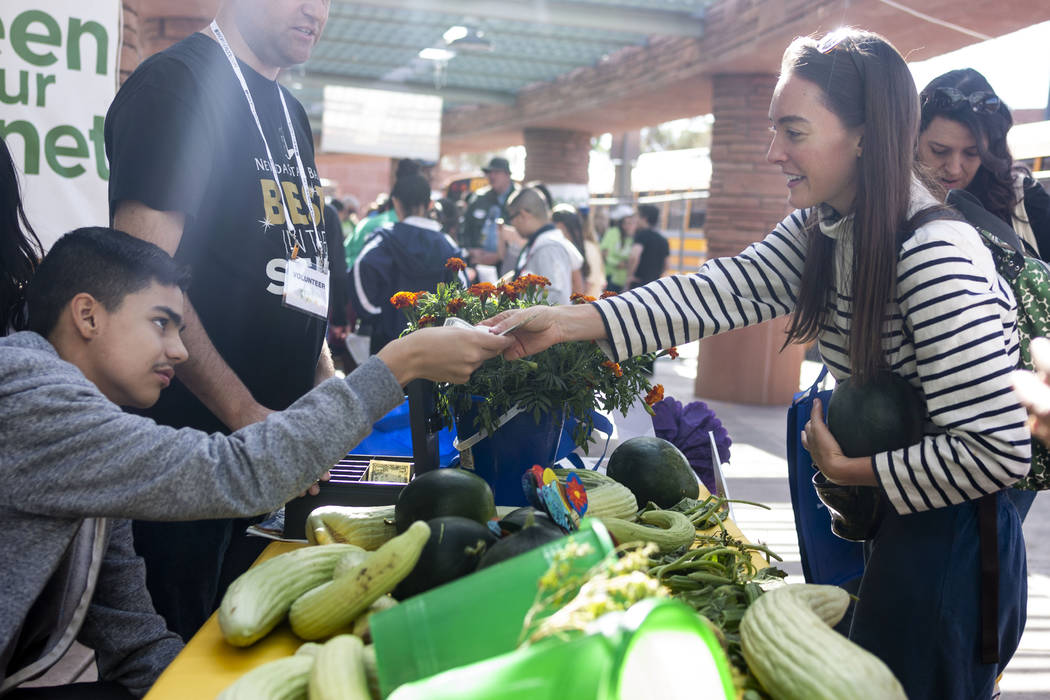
<point>572,377</point>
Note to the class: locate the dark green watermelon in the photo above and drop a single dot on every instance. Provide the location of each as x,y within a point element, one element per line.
<point>444,492</point>
<point>525,540</point>
<point>454,549</point>
<point>884,414</point>
<point>653,470</point>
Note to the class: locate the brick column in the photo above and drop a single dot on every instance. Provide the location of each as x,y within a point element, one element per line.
<point>748,197</point>
<point>559,158</point>
<point>154,25</point>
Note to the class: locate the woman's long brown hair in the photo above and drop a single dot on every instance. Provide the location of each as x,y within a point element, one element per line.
<point>865,82</point>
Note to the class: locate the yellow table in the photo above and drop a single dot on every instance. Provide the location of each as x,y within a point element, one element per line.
<point>208,664</point>
<point>757,558</point>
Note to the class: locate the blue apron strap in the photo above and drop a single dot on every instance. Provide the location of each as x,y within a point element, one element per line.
<point>820,379</point>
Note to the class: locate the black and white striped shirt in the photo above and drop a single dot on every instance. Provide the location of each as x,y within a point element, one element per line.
<point>951,333</point>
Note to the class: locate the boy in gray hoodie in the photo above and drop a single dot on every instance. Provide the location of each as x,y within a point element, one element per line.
<point>105,319</point>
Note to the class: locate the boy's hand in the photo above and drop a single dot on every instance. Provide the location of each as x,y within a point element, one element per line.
<point>316,487</point>
<point>443,354</point>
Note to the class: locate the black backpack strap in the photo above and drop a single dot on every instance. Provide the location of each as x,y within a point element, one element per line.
<point>987,525</point>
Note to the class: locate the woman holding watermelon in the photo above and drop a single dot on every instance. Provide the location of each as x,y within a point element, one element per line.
<point>879,291</point>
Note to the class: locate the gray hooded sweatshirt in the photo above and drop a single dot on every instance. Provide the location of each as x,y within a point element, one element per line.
<point>74,468</point>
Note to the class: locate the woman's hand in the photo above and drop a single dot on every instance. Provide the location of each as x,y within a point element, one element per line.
<point>539,327</point>
<point>529,330</point>
<point>1033,390</point>
<point>828,457</point>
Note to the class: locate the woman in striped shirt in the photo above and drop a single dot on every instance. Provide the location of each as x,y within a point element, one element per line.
<point>927,305</point>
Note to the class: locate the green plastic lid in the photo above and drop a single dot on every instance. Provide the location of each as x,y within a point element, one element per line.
<point>471,619</point>
<point>659,648</point>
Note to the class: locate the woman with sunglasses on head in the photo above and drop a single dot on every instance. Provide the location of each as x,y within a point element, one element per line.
<point>878,291</point>
<point>962,141</point>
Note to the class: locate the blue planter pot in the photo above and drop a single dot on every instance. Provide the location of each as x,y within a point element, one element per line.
<point>501,459</point>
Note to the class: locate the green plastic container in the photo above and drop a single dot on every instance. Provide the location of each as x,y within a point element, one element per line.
<point>658,649</point>
<point>472,619</point>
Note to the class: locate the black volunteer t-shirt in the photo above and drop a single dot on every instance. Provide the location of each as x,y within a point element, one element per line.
<point>654,254</point>
<point>180,137</point>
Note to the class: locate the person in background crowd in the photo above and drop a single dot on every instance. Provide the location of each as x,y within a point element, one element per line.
<point>410,256</point>
<point>930,305</point>
<point>962,141</point>
<point>20,249</point>
<point>385,213</point>
<point>546,252</point>
<point>480,231</point>
<point>599,221</point>
<point>446,212</point>
<point>351,207</point>
<point>574,228</point>
<point>616,245</point>
<point>105,327</point>
<point>649,250</point>
<point>192,170</point>
<point>339,298</point>
<point>541,187</point>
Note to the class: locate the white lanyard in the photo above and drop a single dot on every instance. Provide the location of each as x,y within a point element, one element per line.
<point>291,238</point>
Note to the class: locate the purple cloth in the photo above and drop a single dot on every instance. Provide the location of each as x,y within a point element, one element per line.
<point>687,428</point>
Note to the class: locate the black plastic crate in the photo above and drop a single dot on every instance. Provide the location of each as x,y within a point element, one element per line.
<point>344,489</point>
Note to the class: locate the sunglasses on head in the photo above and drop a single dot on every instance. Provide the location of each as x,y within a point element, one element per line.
<point>949,98</point>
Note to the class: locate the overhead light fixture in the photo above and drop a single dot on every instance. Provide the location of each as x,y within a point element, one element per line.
<point>434,54</point>
<point>454,33</point>
<point>463,38</point>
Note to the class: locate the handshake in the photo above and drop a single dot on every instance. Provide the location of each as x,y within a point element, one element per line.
<point>456,322</point>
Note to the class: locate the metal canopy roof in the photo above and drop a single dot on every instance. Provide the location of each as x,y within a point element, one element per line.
<point>376,44</point>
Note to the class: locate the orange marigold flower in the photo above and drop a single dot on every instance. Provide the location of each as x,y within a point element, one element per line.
<point>454,305</point>
<point>403,300</point>
<point>672,352</point>
<point>656,394</point>
<point>531,280</point>
<point>509,290</point>
<point>608,293</point>
<point>613,367</point>
<point>456,264</point>
<point>482,290</point>
<point>426,320</point>
<point>581,299</point>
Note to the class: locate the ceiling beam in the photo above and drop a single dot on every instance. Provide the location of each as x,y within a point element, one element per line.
<point>356,45</point>
<point>518,72</point>
<point>527,29</point>
<point>568,14</point>
<point>449,94</point>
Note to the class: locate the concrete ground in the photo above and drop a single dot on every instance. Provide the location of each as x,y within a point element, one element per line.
<point>758,472</point>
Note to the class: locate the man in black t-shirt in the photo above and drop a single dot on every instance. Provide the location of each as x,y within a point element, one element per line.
<point>648,257</point>
<point>193,171</point>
